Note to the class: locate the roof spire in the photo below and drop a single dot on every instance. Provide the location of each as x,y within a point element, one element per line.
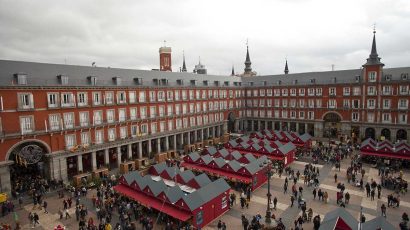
<point>373,57</point>
<point>183,63</point>
<point>233,71</point>
<point>248,68</point>
<point>286,67</point>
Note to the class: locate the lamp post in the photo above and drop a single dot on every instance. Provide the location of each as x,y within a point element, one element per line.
<point>269,174</point>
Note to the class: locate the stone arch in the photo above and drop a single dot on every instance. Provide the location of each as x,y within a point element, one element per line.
<point>331,124</point>
<point>401,134</point>
<point>370,133</point>
<point>331,114</point>
<point>42,143</point>
<point>231,122</point>
<point>386,133</point>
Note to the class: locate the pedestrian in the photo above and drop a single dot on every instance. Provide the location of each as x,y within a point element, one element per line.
<point>219,226</point>
<point>45,206</point>
<point>285,188</point>
<point>347,197</point>
<point>335,177</point>
<point>372,194</point>
<point>67,215</point>
<point>275,201</point>
<point>383,208</point>
<point>36,219</point>
<point>292,199</point>
<point>314,193</point>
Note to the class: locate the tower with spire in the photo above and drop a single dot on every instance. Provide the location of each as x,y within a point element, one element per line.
<point>200,69</point>
<point>233,71</point>
<point>248,69</point>
<point>286,67</point>
<point>373,67</point>
<point>183,63</point>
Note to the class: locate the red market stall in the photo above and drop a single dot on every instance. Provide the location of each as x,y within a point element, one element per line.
<point>385,149</point>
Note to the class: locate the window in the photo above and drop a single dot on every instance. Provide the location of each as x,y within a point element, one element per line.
<point>318,103</point>
<point>82,99</point>
<point>370,117</point>
<point>311,115</point>
<point>123,132</point>
<point>122,115</point>
<point>356,104</point>
<point>386,118</point>
<point>111,134</point>
<point>67,99</point>
<point>184,95</point>
<point>301,103</point>
<point>97,118</point>
<point>386,104</point>
<point>22,79</point>
<point>68,120</point>
<point>293,103</point>
<point>276,113</point>
<point>52,99</point>
<point>54,121</point>
<point>26,124</point>
<point>99,136</point>
<point>64,80</point>
<point>276,92</point>
<point>284,103</point>
<point>372,76</point>
<point>133,113</point>
<point>109,98</point>
<point>141,96</point>
<point>346,103</point>
<point>177,98</point>
<point>387,90</point>
<point>178,109</point>
<point>152,111</point>
<point>134,130</point>
<point>284,92</point>
<point>152,96</point>
<point>198,94</point>
<point>84,119</point>
<point>355,116</point>
<point>153,127</point>
<point>332,91</point>
<point>85,138</point>
<point>403,104</point>
<point>371,90</point>
<point>319,91</point>
<point>110,116</point>
<point>143,112</point>
<point>26,101</point>
<point>169,110</point>
<point>311,103</point>
<point>178,123</point>
<point>292,92</point>
<point>302,92</point>
<point>70,141</point>
<point>301,115</point>
<point>356,91</point>
<point>96,98</point>
<point>404,89</point>
<point>269,92</point>
<point>402,118</point>
<point>311,92</point>
<point>346,91</point>
<point>161,96</point>
<point>161,111</point>
<point>132,97</point>
<point>144,129</point>
<point>170,96</point>
<point>371,103</point>
<point>293,114</point>
<point>284,114</point>
<point>332,103</point>
<point>162,126</point>
<point>121,97</point>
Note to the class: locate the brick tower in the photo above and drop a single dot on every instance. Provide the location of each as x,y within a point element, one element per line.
<point>165,58</point>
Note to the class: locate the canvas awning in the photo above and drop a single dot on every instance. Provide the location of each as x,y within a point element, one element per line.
<point>387,155</point>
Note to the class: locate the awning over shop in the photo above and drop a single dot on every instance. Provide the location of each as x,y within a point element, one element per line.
<point>387,155</point>
<point>153,203</point>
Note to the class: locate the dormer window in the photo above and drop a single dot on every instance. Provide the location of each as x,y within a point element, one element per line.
<point>313,81</point>
<point>279,82</point>
<point>205,83</point>
<point>117,80</point>
<point>193,82</point>
<point>164,81</point>
<point>180,82</point>
<point>21,78</point>
<point>155,81</point>
<point>138,81</point>
<point>387,77</point>
<point>295,82</point>
<point>264,83</point>
<point>63,79</point>
<point>357,78</point>
<point>93,80</point>
<point>226,83</point>
<point>250,83</point>
<point>404,76</point>
<point>216,83</point>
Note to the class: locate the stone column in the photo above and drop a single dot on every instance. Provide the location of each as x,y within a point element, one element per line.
<point>306,128</point>
<point>207,133</point>
<point>5,176</point>
<point>195,136</point>
<point>167,143</point>
<point>297,127</point>
<point>129,155</point>
<point>280,125</point>
<point>189,137</point>
<point>119,156</point>
<point>79,163</point>
<point>106,156</point>
<point>94,160</point>
<point>159,145</point>
<point>253,125</point>
<point>288,129</point>
<point>149,147</point>
<point>63,169</point>
<point>237,125</point>
<point>175,142</point>
<point>140,150</point>
<point>202,135</point>
<point>259,125</point>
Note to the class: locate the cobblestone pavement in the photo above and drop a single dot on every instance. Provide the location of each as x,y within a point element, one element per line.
<point>257,205</point>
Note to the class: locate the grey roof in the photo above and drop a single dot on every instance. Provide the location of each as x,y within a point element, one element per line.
<point>220,162</point>
<point>212,190</point>
<point>224,153</point>
<point>289,136</point>
<point>187,175</point>
<point>244,145</point>
<point>286,148</point>
<point>172,171</point>
<point>206,159</point>
<point>143,181</point>
<point>330,219</point>
<point>236,155</point>
<point>250,157</point>
<point>253,167</point>
<point>233,143</point>
<point>256,146</point>
<point>234,165</point>
<point>130,177</point>
<point>379,222</point>
<point>305,137</point>
<point>193,200</point>
<point>268,148</point>
<point>194,156</point>
<point>278,134</point>
<point>202,180</point>
<point>160,167</point>
<point>212,150</point>
<point>278,143</point>
<point>45,74</point>
<point>174,194</point>
<point>156,186</point>
<point>327,77</point>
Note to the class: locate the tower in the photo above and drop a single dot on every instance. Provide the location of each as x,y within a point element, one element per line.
<point>183,63</point>
<point>286,67</point>
<point>248,63</point>
<point>165,58</point>
<point>200,69</point>
<point>373,67</point>
<point>233,71</point>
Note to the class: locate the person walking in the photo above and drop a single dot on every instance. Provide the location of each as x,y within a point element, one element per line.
<point>275,201</point>
<point>314,193</point>
<point>372,194</point>
<point>335,177</point>
<point>45,206</point>
<point>383,208</point>
<point>347,198</point>
<point>292,199</point>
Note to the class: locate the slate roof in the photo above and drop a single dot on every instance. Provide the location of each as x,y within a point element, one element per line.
<point>130,177</point>
<point>330,219</point>
<point>286,148</point>
<point>202,180</point>
<point>206,159</point>
<point>187,175</point>
<point>172,171</point>
<point>160,167</point>
<point>250,157</point>
<point>212,190</point>
<point>268,148</point>
<point>289,136</point>
<point>174,194</point>
<point>253,167</point>
<point>234,165</point>
<point>143,181</point>
<point>224,153</point>
<point>156,187</point>
<point>256,146</point>
<point>305,137</point>
<point>379,222</point>
<point>194,156</point>
<point>45,74</point>
<point>233,143</point>
<point>211,150</point>
<point>236,155</point>
<point>219,161</point>
<point>278,134</point>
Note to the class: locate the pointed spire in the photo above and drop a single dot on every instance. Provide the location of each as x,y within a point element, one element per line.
<point>374,58</point>
<point>286,67</point>
<point>233,71</point>
<point>248,63</point>
<point>183,63</point>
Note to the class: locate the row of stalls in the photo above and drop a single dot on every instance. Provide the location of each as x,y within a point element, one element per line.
<point>341,219</point>
<point>179,194</point>
<point>275,150</point>
<point>385,149</point>
<point>230,165</point>
<point>300,140</point>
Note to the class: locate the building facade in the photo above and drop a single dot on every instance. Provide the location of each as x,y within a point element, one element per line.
<point>71,119</point>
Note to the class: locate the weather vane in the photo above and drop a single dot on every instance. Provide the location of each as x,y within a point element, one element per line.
<point>374,28</point>
<point>165,43</point>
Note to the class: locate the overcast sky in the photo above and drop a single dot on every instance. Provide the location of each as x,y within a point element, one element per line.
<point>312,34</point>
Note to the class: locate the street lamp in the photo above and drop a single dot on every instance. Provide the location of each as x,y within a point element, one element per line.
<point>268,164</point>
